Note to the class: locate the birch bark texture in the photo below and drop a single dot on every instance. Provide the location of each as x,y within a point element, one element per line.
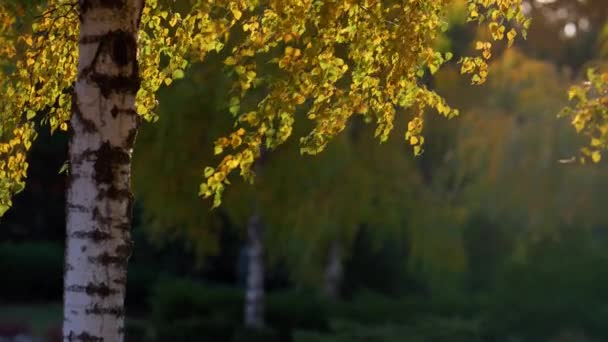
<point>334,271</point>
<point>99,200</point>
<point>254,293</point>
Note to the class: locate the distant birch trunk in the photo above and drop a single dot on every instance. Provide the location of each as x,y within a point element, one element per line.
<point>334,271</point>
<point>99,199</point>
<point>254,293</point>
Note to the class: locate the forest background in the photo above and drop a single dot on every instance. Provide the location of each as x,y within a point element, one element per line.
<point>486,236</point>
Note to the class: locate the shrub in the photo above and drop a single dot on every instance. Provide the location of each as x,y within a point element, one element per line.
<point>373,308</point>
<point>137,330</point>
<point>181,304</point>
<point>292,310</point>
<point>179,299</point>
<point>183,310</point>
<point>560,286</point>
<point>140,282</point>
<point>195,329</point>
<point>31,271</point>
<point>256,335</point>
<point>436,330</point>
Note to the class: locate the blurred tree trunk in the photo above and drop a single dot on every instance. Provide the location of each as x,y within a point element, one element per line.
<point>334,271</point>
<point>99,199</point>
<point>254,293</point>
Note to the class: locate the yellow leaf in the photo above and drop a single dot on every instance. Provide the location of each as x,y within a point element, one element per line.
<point>596,156</point>
<point>236,13</point>
<point>511,36</point>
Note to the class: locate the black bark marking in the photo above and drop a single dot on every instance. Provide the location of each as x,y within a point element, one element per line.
<point>132,135</point>
<point>101,219</point>
<point>117,111</point>
<point>101,290</point>
<point>121,47</point>
<point>126,249</point>
<point>117,311</point>
<point>107,158</point>
<point>106,260</point>
<point>123,227</point>
<point>87,154</point>
<point>124,48</point>
<point>116,84</point>
<point>115,194</point>
<point>107,222</point>
<point>88,126</point>
<point>83,337</point>
<point>120,281</point>
<point>77,207</point>
<point>130,202</point>
<point>95,235</point>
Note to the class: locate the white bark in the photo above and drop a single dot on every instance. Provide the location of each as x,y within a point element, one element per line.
<point>99,199</point>
<point>254,293</point>
<point>334,271</point>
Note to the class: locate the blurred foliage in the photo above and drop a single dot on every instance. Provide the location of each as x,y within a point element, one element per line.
<point>177,145</point>
<point>557,287</point>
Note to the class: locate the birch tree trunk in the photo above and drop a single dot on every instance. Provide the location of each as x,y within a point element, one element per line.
<point>254,293</point>
<point>334,271</point>
<point>99,199</point>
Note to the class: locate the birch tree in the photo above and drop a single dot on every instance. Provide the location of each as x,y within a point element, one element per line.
<point>94,66</point>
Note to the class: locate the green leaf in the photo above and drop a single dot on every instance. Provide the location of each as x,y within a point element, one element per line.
<point>209,171</point>
<point>177,74</point>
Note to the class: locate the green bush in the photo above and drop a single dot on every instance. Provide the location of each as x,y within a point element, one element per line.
<point>184,310</point>
<point>256,335</point>
<point>194,330</point>
<point>31,271</point>
<point>178,305</point>
<point>137,330</point>
<point>560,286</point>
<point>288,311</point>
<point>178,299</point>
<point>429,329</point>
<point>371,307</point>
<point>140,283</point>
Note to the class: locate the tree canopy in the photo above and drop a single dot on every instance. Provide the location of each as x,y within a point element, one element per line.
<point>336,59</point>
